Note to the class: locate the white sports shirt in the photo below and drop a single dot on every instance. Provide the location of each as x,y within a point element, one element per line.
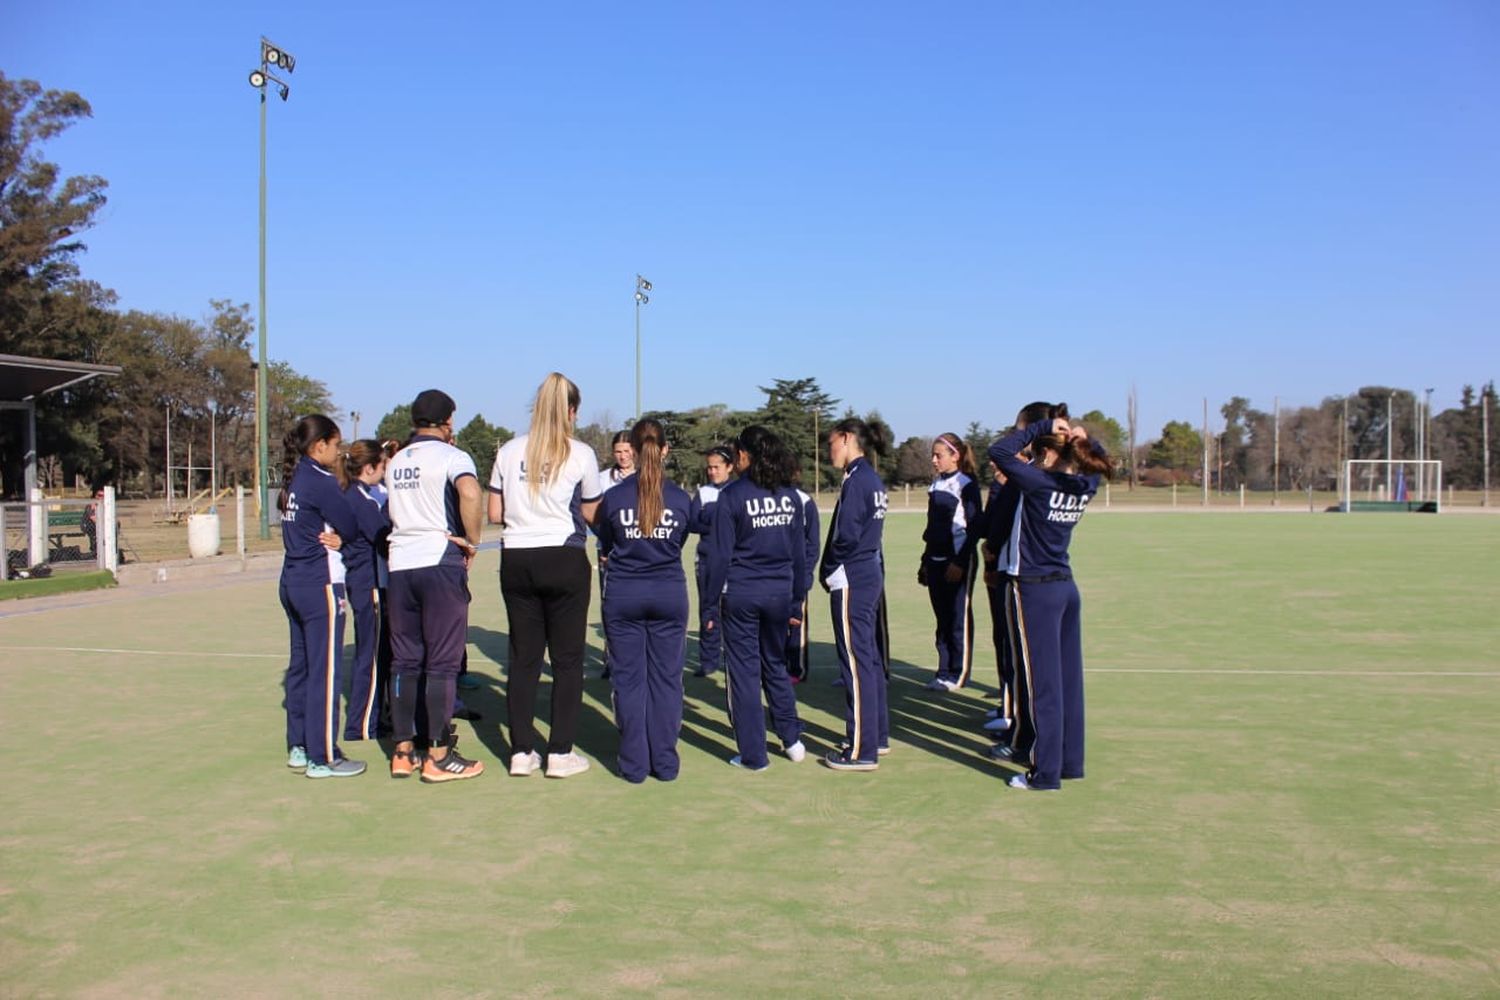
<point>554,515</point>
<point>423,504</point>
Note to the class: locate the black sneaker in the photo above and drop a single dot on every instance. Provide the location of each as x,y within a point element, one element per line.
<point>450,768</point>
<point>843,762</point>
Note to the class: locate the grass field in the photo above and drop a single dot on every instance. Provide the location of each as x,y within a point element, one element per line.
<point>1292,790</point>
<point>63,583</point>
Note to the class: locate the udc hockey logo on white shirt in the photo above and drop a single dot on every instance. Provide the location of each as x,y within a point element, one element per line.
<point>663,529</point>
<point>771,512</point>
<point>407,478</point>
<point>1066,508</point>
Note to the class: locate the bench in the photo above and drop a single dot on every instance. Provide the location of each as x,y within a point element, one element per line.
<point>62,524</point>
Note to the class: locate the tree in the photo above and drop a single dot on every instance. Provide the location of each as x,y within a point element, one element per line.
<point>294,396</point>
<point>40,217</point>
<point>395,425</point>
<point>791,409</point>
<point>1108,432</point>
<point>481,439</point>
<point>1179,449</point>
<point>979,439</point>
<point>913,461</point>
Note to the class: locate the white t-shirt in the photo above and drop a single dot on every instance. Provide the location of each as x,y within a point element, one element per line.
<point>424,503</point>
<point>554,515</point>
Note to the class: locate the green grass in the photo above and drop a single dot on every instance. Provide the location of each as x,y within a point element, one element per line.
<point>62,583</point>
<point>1292,790</point>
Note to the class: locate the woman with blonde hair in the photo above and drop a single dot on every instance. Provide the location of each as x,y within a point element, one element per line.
<point>545,491</point>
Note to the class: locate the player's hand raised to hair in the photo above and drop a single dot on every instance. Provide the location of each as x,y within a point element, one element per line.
<point>1060,425</point>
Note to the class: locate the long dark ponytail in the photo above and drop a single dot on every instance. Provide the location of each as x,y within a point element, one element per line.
<point>649,442</point>
<point>298,442</point>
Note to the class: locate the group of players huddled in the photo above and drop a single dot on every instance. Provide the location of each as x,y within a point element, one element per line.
<point>389,530</point>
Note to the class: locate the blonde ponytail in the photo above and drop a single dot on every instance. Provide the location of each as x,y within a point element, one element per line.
<point>552,417</point>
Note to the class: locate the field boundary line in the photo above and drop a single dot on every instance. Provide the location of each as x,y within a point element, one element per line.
<point>1252,671</point>
<point>148,652</point>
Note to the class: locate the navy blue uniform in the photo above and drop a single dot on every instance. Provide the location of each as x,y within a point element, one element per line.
<point>952,509</point>
<point>853,572</point>
<point>1046,605</point>
<point>1002,528</point>
<point>759,563</point>
<point>710,629</point>
<point>365,586</point>
<point>797,635</point>
<point>645,621</point>
<point>312,593</point>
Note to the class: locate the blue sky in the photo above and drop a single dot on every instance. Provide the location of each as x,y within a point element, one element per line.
<point>940,211</point>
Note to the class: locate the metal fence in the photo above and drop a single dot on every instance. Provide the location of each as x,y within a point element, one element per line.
<point>45,536</point>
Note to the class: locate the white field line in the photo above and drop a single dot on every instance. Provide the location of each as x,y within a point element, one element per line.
<point>1215,671</point>
<point>1292,673</point>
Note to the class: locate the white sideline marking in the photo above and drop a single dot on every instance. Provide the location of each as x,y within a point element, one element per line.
<point>149,652</point>
<point>1293,673</point>
<point>1088,670</point>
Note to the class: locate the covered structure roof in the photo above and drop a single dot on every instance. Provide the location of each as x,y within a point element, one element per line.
<point>27,378</point>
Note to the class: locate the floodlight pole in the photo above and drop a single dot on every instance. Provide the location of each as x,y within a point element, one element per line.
<point>270,55</point>
<point>642,286</point>
<point>261,498</point>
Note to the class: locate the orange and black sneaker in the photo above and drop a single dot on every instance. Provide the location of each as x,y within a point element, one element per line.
<point>451,768</point>
<point>405,763</point>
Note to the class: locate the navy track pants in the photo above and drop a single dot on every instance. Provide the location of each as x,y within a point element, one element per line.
<point>755,638</point>
<point>861,663</point>
<point>646,624</point>
<point>429,611</point>
<point>1051,656</point>
<point>314,672</point>
<point>953,607</point>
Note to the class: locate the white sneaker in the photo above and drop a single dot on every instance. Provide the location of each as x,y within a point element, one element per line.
<point>796,752</point>
<point>999,724</point>
<point>993,713</point>
<point>564,765</point>
<point>950,686</point>
<point>522,764</point>
<point>936,685</point>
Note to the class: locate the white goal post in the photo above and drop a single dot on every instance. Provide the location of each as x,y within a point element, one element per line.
<point>1392,484</point>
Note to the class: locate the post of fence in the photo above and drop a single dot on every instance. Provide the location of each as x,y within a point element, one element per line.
<point>106,532</point>
<point>1174,493</point>
<point>4,542</point>
<point>1106,494</point>
<point>239,521</point>
<point>36,548</point>
<point>1309,498</point>
<point>1242,496</point>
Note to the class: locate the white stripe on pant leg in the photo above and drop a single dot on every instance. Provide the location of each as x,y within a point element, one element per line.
<point>330,696</point>
<point>1030,688</point>
<point>853,673</point>
<point>968,620</point>
<point>364,725</point>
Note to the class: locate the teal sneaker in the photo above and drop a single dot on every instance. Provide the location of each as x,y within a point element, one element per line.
<point>341,768</point>
<point>296,758</point>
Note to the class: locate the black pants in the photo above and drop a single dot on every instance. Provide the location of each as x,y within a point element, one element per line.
<point>546,594</point>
